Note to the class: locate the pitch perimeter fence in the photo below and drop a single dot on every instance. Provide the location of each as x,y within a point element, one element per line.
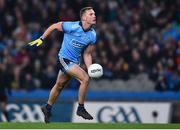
<point>105,106</point>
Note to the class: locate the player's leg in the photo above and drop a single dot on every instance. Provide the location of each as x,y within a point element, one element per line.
<point>61,81</point>
<point>83,78</point>
<point>77,72</point>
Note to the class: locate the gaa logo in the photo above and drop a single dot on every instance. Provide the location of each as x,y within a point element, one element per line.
<point>108,114</point>
<point>23,113</point>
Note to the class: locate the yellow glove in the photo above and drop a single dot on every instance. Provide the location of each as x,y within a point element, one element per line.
<point>36,42</point>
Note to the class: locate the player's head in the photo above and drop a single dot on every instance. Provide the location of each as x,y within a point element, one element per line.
<point>87,14</point>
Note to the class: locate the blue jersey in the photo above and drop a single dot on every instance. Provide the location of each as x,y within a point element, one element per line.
<point>75,40</point>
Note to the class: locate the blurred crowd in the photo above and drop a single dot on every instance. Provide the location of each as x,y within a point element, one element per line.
<point>133,37</point>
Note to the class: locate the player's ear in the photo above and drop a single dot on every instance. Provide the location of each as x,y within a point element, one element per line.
<point>82,18</point>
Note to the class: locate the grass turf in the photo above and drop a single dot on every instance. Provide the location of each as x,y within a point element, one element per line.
<point>86,126</point>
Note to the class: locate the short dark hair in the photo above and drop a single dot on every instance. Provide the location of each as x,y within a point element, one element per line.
<point>83,10</point>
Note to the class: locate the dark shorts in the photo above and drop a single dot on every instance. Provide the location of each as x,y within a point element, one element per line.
<point>65,64</point>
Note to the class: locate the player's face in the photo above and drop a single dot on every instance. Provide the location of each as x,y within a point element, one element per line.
<point>90,17</point>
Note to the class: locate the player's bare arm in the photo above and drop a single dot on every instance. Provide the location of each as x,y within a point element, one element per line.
<point>39,41</point>
<point>55,26</point>
<point>87,55</point>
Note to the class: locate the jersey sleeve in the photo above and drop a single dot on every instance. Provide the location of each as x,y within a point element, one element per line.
<point>67,27</point>
<point>93,38</point>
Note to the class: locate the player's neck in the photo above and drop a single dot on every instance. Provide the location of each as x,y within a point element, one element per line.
<point>85,25</point>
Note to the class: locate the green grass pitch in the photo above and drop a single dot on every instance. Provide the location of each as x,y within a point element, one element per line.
<point>86,126</point>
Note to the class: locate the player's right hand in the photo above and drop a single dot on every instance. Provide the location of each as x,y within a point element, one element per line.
<point>36,42</point>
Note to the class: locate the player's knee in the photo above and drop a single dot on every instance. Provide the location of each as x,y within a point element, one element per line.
<point>85,79</point>
<point>60,84</point>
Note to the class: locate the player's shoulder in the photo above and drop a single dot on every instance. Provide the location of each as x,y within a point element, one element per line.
<point>73,24</point>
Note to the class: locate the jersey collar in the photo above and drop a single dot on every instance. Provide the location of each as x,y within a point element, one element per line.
<point>80,23</point>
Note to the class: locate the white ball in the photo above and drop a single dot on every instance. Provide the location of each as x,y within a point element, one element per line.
<point>95,70</point>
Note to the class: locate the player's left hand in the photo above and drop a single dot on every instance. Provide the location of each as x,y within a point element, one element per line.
<point>36,42</point>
